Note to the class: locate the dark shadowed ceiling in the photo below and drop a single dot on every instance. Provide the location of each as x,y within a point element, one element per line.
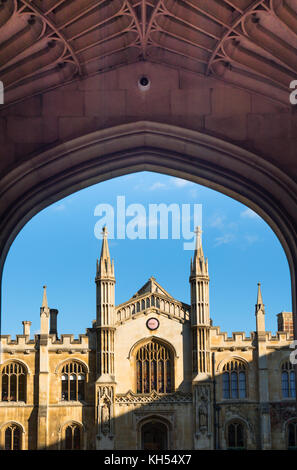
<point>44,43</point>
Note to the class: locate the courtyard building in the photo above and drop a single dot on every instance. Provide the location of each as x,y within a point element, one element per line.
<point>151,373</point>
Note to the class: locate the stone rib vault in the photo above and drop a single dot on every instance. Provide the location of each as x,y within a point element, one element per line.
<point>45,43</point>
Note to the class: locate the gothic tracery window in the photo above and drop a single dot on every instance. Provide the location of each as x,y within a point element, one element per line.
<point>73,437</point>
<point>13,382</point>
<point>234,379</point>
<point>235,436</point>
<point>154,368</point>
<point>73,382</point>
<point>288,380</point>
<point>12,437</point>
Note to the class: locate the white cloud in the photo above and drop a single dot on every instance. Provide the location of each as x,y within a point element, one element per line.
<point>59,208</point>
<point>157,185</point>
<point>180,183</point>
<point>194,193</point>
<point>251,239</point>
<point>224,239</point>
<point>249,214</point>
<point>217,221</point>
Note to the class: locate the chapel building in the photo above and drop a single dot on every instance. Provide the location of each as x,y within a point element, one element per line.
<point>151,373</point>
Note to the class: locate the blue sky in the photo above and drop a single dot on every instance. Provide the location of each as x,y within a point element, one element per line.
<point>58,248</point>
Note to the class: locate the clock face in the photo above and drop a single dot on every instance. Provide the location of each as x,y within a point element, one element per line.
<point>152,323</point>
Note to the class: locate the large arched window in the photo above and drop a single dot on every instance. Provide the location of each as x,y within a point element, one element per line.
<point>234,379</point>
<point>235,435</point>
<point>73,436</point>
<point>154,368</point>
<point>288,380</point>
<point>13,437</point>
<point>73,381</point>
<point>292,435</point>
<point>13,382</point>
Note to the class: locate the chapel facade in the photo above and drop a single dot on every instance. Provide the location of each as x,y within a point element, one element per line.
<point>151,373</point>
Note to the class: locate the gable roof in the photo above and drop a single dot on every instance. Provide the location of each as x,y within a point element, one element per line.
<point>151,286</point>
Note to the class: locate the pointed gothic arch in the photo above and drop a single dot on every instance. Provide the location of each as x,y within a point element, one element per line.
<point>163,148</point>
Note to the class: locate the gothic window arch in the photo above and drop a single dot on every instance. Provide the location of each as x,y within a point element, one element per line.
<point>234,379</point>
<point>236,435</point>
<point>13,437</point>
<point>73,436</point>
<point>154,368</point>
<point>13,382</point>
<point>292,435</point>
<point>73,378</point>
<point>288,380</point>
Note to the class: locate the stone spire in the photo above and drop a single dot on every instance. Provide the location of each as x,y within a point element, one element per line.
<point>105,313</point>
<point>44,299</point>
<point>261,354</point>
<point>44,314</point>
<point>259,297</point>
<point>200,321</point>
<point>105,267</point>
<point>260,311</point>
<point>199,265</point>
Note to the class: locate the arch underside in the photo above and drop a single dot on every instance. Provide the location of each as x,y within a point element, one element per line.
<point>148,146</point>
<point>251,43</point>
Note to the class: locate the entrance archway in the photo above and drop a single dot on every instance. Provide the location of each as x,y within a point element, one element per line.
<point>154,436</point>
<point>148,146</point>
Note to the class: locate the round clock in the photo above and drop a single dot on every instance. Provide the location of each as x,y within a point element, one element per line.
<point>152,323</point>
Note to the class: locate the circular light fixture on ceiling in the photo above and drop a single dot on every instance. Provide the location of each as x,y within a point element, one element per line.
<point>144,83</point>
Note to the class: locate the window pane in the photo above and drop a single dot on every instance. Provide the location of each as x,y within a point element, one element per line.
<point>292,384</point>
<point>146,377</point>
<point>13,387</point>
<point>234,385</point>
<point>242,388</point>
<point>168,377</point>
<point>22,387</point>
<point>81,388</point>
<point>64,388</point>
<point>4,387</point>
<point>73,387</point>
<point>285,384</point>
<point>139,376</point>
<point>154,375</point>
<point>161,377</point>
<point>226,385</point>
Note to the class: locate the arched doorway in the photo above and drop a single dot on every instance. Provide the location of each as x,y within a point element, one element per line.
<point>154,436</point>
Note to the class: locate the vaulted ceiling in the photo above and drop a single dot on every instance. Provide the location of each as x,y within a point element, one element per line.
<point>44,43</point>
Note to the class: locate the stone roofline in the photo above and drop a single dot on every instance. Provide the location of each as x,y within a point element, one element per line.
<point>237,336</point>
<point>134,300</point>
<point>64,339</point>
<point>159,303</point>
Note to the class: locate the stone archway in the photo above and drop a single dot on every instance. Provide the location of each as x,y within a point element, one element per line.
<point>149,146</point>
<point>154,436</point>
